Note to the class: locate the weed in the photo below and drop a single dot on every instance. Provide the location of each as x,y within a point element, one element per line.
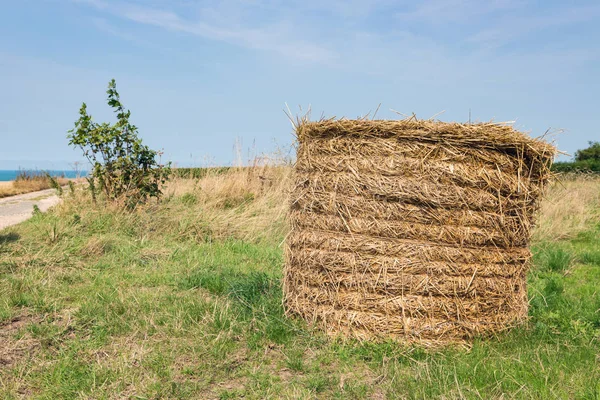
<point>294,360</point>
<point>53,233</point>
<point>189,199</point>
<point>76,219</point>
<point>558,260</point>
<point>71,188</point>
<point>318,383</point>
<point>54,184</point>
<point>552,259</point>
<point>591,257</point>
<point>92,188</point>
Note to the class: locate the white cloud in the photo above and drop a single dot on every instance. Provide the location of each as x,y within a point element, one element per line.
<point>105,26</point>
<point>511,28</point>
<point>268,37</point>
<point>309,30</point>
<point>445,11</point>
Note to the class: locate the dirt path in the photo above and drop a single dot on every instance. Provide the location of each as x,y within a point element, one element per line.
<point>18,208</point>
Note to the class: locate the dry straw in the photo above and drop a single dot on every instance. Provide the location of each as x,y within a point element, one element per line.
<point>413,230</point>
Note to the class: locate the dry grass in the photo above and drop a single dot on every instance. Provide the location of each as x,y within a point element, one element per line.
<point>243,203</point>
<point>27,184</point>
<point>571,206</point>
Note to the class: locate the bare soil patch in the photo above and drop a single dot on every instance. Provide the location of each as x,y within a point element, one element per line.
<point>15,347</point>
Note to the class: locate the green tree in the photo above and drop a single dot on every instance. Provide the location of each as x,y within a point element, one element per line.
<point>591,153</point>
<point>124,168</point>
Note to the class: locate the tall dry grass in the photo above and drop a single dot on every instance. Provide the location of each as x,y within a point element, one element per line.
<point>246,203</point>
<point>571,205</point>
<point>27,182</point>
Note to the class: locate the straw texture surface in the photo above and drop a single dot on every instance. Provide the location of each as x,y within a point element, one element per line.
<point>412,230</point>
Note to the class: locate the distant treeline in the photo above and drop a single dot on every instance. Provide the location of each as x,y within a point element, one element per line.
<point>589,166</point>
<point>585,160</point>
<point>577,166</point>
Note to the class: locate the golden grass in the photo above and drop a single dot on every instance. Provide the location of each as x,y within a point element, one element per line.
<point>249,204</point>
<point>571,205</point>
<point>22,186</point>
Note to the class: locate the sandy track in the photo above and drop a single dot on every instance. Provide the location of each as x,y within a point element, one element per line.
<point>16,209</point>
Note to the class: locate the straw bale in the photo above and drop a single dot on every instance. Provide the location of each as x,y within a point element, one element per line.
<point>412,230</point>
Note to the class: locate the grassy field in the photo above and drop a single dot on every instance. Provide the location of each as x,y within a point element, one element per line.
<point>183,300</point>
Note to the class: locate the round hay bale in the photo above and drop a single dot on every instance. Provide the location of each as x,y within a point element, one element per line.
<point>412,230</point>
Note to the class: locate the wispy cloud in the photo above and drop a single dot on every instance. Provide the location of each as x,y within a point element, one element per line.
<point>103,25</point>
<point>508,29</point>
<point>450,11</point>
<point>365,37</point>
<point>271,37</point>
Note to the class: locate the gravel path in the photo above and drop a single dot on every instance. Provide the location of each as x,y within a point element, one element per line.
<point>19,208</point>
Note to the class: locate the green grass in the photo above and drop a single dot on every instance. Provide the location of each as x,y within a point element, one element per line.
<point>198,172</point>
<point>94,306</point>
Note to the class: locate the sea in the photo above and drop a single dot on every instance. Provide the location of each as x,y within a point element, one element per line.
<point>10,175</point>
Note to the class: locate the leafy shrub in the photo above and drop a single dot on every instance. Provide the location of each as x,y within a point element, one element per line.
<point>123,167</point>
<point>591,153</point>
<point>577,166</point>
<point>585,160</point>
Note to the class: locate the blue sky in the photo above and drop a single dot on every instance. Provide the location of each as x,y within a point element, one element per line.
<point>199,75</point>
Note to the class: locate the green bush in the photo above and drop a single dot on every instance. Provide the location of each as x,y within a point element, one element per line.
<point>577,166</point>
<point>124,168</point>
<point>592,153</point>
<point>585,160</point>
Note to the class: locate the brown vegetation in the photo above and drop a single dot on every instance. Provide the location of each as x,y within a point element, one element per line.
<point>571,206</point>
<point>27,182</point>
<point>244,203</point>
